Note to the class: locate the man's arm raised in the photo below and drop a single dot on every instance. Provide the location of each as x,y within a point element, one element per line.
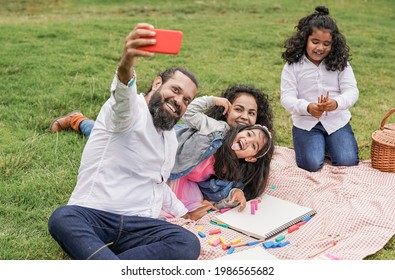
<point>138,37</point>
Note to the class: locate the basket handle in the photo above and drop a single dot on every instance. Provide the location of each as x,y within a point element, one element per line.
<point>386,117</point>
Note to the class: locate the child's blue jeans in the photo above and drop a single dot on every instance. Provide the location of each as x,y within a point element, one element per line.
<point>310,147</point>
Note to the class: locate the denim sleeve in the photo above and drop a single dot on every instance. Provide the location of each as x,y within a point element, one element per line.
<point>216,189</point>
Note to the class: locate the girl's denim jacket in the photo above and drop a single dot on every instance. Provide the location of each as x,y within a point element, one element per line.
<point>199,139</point>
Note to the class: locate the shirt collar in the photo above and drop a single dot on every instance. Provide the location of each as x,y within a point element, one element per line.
<point>306,60</point>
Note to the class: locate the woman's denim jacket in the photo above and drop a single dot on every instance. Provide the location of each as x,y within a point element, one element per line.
<point>204,147</point>
<point>194,147</point>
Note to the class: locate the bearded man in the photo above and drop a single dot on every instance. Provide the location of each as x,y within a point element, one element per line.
<point>121,187</point>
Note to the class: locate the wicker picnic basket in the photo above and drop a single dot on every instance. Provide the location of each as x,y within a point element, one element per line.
<point>383,146</point>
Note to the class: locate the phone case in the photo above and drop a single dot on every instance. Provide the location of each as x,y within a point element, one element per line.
<point>167,42</point>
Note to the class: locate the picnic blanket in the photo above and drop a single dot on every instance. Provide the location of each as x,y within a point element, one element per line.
<point>355,205</point>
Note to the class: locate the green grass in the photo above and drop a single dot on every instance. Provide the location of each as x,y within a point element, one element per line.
<point>57,56</point>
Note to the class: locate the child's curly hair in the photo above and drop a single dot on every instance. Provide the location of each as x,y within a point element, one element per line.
<point>296,45</point>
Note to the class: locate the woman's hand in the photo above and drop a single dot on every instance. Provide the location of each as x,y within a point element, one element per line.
<point>224,102</point>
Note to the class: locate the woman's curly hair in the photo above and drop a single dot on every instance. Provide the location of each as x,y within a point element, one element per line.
<point>296,45</point>
<point>255,175</point>
<point>264,111</point>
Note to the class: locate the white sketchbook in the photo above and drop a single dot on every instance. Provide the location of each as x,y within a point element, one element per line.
<point>273,216</point>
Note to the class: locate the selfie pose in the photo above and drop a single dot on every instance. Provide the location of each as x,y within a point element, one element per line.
<point>121,187</point>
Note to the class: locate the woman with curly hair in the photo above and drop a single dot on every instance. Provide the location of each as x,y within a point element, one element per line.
<point>208,165</point>
<point>318,87</point>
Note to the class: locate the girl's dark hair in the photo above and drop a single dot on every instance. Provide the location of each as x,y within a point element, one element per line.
<point>169,72</point>
<point>252,175</point>
<point>296,45</point>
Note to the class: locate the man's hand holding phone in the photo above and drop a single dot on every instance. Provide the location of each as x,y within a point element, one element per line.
<point>144,41</point>
<point>166,42</point>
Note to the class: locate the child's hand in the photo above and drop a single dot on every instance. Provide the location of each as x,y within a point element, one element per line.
<point>316,109</point>
<point>330,105</point>
<point>238,195</point>
<point>224,102</point>
<point>326,104</point>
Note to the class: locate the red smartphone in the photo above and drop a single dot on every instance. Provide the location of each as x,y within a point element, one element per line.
<point>167,41</point>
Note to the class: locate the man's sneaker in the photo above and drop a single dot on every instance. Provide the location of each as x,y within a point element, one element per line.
<point>64,122</point>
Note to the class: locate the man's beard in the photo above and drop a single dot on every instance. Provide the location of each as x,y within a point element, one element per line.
<point>161,118</point>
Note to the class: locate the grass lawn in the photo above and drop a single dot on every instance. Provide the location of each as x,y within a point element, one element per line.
<point>58,56</point>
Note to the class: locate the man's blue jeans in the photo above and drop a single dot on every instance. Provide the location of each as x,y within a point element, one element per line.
<point>310,147</point>
<point>86,127</point>
<point>86,233</point>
